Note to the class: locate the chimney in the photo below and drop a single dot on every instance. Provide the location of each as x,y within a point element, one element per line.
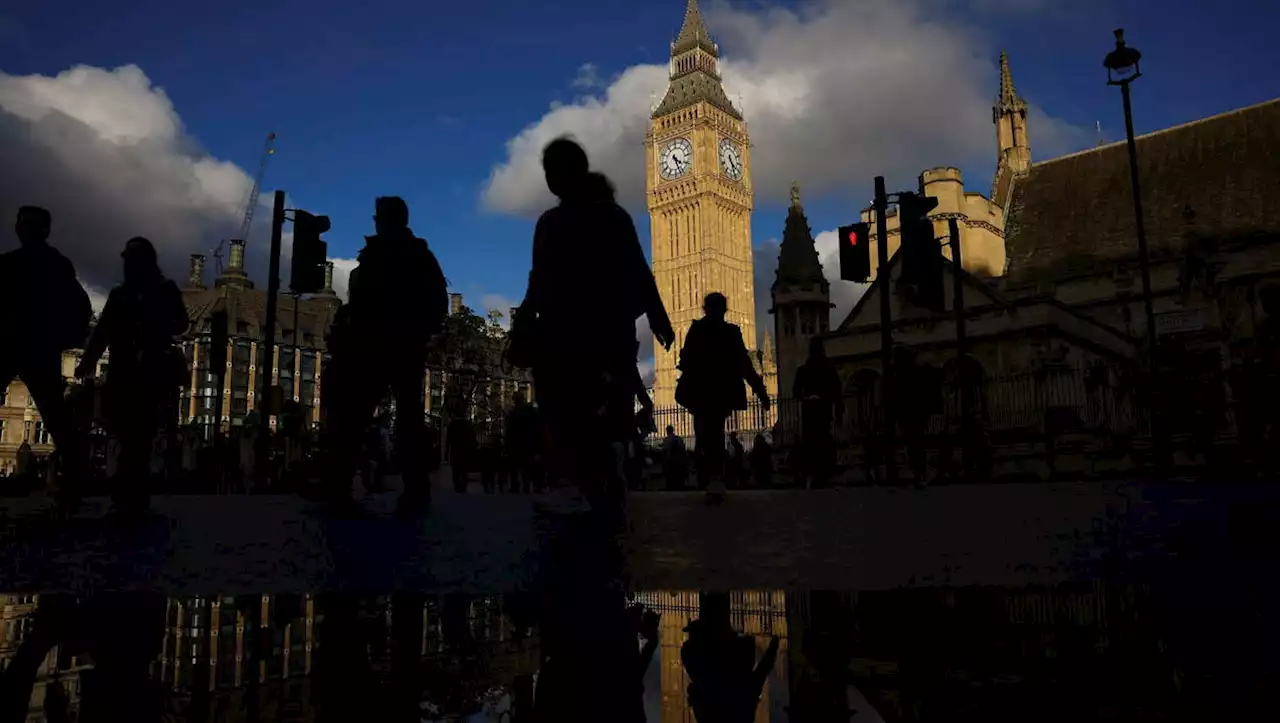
<point>236,260</point>
<point>455,304</point>
<point>195,279</point>
<point>233,275</point>
<point>328,277</point>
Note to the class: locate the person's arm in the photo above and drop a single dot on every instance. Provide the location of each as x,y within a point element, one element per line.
<point>532,303</point>
<point>748,369</point>
<point>438,288</point>
<point>98,340</point>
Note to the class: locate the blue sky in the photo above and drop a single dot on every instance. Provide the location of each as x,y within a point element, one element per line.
<point>422,99</point>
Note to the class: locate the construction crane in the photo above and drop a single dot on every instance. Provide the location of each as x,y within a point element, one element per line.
<point>268,150</point>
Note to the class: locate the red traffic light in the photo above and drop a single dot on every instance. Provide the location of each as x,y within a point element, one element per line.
<point>855,256</point>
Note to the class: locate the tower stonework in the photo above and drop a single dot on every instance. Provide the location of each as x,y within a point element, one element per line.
<point>698,183</point>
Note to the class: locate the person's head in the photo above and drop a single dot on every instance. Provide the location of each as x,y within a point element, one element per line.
<point>817,350</point>
<point>566,167</point>
<point>140,262</point>
<point>715,305</point>
<point>671,431</point>
<point>33,224</point>
<point>390,214</point>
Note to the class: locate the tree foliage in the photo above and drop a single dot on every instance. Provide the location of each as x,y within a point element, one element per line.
<point>468,351</point>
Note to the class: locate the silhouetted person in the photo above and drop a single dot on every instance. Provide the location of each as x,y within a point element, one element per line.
<point>817,386</point>
<point>675,460</point>
<point>589,281</point>
<point>43,310</point>
<point>725,681</point>
<point>713,365</point>
<point>398,300</point>
<point>461,440</point>
<point>737,466</point>
<point>1262,380</point>
<point>762,462</point>
<point>916,395</point>
<point>522,440</point>
<point>138,324</point>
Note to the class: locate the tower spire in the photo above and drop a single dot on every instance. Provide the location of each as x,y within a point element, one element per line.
<point>693,33</point>
<point>1009,99</point>
<point>695,72</point>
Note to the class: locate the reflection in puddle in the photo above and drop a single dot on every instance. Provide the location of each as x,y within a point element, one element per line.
<point>1082,651</point>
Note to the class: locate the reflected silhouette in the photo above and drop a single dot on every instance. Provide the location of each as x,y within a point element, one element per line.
<point>580,651</point>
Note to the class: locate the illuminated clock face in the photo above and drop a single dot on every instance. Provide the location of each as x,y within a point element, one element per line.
<point>675,159</point>
<point>731,159</point>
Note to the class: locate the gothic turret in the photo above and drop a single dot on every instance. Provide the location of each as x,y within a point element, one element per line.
<point>1014,147</point>
<point>801,295</point>
<point>695,73</point>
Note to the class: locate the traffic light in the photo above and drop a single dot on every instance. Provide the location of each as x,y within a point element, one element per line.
<point>921,279</point>
<point>855,252</point>
<point>309,252</point>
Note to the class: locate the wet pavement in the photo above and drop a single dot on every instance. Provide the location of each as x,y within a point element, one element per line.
<point>864,538</point>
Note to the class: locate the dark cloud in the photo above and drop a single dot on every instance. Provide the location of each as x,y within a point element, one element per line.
<point>106,153</point>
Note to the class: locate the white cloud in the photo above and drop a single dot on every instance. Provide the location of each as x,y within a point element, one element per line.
<point>834,93</point>
<point>97,297</point>
<point>106,153</point>
<point>341,275</point>
<point>588,76</point>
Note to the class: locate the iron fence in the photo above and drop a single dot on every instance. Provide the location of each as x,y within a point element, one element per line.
<point>1013,407</point>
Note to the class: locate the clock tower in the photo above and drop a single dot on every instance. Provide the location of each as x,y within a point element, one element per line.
<point>698,183</point>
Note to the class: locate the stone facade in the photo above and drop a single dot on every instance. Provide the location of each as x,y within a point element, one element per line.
<point>1051,278</point>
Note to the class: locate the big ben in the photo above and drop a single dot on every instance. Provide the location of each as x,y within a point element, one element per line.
<point>698,183</point>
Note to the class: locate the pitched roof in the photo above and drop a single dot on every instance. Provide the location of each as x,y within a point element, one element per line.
<point>693,34</point>
<point>1075,213</point>
<point>247,314</point>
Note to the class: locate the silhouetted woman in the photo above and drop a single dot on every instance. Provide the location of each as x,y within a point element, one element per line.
<point>589,284</point>
<point>139,322</point>
<point>714,363</point>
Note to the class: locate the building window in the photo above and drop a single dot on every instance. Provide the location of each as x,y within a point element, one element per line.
<point>40,435</point>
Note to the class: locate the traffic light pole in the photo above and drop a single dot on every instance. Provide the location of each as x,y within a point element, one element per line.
<point>957,289</point>
<point>962,368</point>
<point>886,332</point>
<point>263,442</point>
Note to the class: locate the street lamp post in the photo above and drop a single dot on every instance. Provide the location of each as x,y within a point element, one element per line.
<point>1122,66</point>
<point>1122,69</point>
